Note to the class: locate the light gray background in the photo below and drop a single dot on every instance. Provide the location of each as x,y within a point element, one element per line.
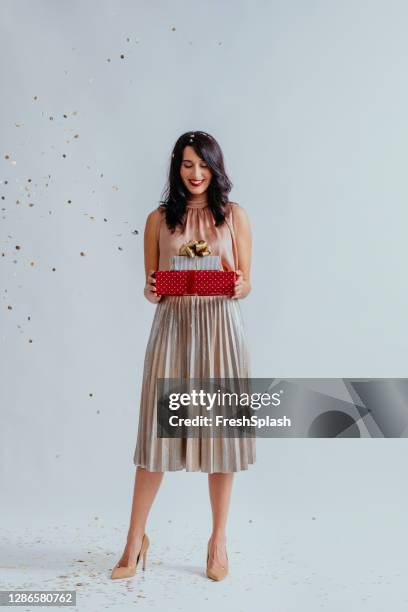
<point>308,100</point>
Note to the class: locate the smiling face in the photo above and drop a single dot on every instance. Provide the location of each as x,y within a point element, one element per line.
<point>194,172</point>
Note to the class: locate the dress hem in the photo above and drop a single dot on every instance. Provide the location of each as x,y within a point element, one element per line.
<point>184,468</point>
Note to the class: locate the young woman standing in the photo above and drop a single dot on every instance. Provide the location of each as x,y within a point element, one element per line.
<point>192,336</point>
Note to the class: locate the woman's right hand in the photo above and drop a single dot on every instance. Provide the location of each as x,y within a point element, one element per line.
<point>150,289</point>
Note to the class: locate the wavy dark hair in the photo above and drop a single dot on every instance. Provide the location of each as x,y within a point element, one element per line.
<point>176,194</point>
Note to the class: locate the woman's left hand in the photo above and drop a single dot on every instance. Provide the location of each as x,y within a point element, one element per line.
<point>241,288</point>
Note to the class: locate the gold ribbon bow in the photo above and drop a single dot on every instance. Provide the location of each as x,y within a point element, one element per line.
<point>195,248</point>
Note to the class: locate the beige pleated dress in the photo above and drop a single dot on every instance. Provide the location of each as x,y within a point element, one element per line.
<point>196,337</point>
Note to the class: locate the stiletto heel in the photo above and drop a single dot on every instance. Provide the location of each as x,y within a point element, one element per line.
<point>216,571</point>
<point>127,571</point>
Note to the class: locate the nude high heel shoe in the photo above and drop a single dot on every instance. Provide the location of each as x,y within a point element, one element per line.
<point>127,571</point>
<point>216,571</point>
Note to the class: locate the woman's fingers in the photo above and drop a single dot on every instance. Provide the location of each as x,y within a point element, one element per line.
<point>238,285</point>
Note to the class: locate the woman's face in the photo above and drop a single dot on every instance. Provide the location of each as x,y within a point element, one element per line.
<point>194,172</point>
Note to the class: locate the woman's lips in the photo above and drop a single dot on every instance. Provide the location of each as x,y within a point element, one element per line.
<point>196,183</point>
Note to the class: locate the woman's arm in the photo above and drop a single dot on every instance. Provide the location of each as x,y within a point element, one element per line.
<point>243,234</point>
<point>151,254</point>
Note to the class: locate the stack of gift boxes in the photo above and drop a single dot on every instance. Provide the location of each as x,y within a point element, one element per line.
<point>194,271</point>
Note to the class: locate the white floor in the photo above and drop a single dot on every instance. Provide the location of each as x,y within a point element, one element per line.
<point>342,561</point>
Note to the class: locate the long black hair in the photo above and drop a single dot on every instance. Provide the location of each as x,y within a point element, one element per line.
<point>176,194</point>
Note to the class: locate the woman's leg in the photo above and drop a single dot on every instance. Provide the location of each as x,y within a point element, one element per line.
<point>146,486</point>
<point>220,486</point>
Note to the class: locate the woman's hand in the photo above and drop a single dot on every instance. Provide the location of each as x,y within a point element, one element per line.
<point>241,287</point>
<point>150,289</point>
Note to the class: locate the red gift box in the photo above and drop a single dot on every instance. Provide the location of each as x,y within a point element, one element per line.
<point>195,282</point>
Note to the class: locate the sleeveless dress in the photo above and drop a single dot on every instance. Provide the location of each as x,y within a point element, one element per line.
<point>198,337</point>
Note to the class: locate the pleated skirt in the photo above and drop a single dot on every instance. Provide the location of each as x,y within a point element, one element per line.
<point>195,337</point>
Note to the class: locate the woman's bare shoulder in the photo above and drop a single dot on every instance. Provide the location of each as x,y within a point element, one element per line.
<point>155,215</point>
<point>238,211</point>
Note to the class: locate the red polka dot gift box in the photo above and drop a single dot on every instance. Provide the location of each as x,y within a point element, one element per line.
<point>195,282</point>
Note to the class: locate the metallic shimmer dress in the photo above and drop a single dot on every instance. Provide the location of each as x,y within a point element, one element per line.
<point>198,337</point>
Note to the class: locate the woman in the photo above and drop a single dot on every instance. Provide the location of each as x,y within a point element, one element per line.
<point>201,336</point>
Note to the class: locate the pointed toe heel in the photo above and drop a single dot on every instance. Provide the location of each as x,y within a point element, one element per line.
<point>216,571</point>
<point>127,571</point>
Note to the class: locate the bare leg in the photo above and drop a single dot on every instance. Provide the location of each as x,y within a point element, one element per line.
<point>220,486</point>
<point>146,486</point>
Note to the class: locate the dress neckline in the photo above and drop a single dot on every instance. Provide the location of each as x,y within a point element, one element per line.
<point>199,202</point>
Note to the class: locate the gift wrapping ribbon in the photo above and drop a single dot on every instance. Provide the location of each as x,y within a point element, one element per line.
<point>195,248</point>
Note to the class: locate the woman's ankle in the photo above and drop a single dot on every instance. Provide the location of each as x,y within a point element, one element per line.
<point>135,534</point>
<point>218,536</point>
